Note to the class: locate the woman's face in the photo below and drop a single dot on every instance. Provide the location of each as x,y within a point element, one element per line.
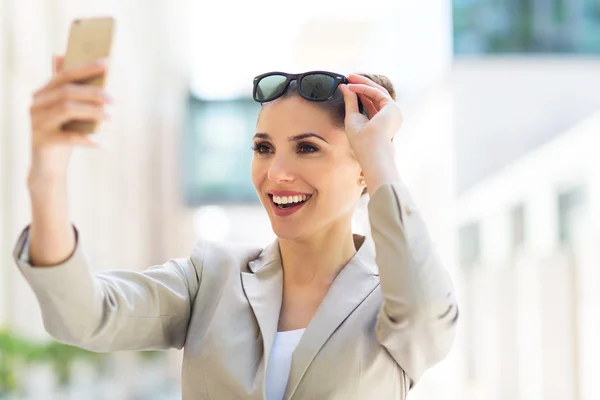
<point>303,169</point>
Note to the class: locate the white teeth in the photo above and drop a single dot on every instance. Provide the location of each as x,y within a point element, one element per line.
<point>289,199</point>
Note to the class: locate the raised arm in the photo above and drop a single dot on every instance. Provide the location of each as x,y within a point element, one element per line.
<point>113,310</point>
<point>116,310</point>
<point>56,103</point>
<point>417,322</point>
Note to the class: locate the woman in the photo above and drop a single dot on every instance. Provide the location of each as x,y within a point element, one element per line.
<point>319,314</point>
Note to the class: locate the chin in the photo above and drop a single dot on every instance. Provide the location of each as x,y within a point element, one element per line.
<point>287,231</point>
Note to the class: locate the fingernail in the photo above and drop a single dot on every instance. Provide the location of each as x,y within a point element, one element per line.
<point>102,62</point>
<point>108,98</point>
<point>97,139</point>
<point>108,112</point>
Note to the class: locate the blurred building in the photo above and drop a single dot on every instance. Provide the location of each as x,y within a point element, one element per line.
<point>528,245</point>
<point>526,26</point>
<point>526,130</point>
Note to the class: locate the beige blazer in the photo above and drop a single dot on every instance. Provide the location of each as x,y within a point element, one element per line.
<point>389,315</point>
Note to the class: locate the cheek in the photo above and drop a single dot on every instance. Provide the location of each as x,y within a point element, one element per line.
<point>258,172</point>
<point>344,178</point>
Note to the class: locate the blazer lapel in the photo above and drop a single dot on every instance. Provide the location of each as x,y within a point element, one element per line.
<point>263,287</point>
<point>353,284</point>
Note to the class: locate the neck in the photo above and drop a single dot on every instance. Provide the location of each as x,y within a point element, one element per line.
<point>317,260</point>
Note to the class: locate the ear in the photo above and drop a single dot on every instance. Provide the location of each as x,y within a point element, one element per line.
<point>364,187</point>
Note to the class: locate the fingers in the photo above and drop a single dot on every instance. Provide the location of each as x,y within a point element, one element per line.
<point>354,78</point>
<point>57,63</point>
<point>76,139</point>
<point>350,100</point>
<point>70,92</point>
<point>54,117</point>
<point>71,75</point>
<point>376,95</point>
<point>64,99</point>
<point>369,106</point>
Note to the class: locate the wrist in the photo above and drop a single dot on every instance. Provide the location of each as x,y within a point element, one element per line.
<point>50,161</point>
<point>376,158</point>
<point>45,182</point>
<point>378,165</point>
<point>46,171</point>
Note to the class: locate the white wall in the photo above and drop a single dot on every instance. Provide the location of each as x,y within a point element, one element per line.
<point>536,179</point>
<point>507,106</point>
<point>556,291</point>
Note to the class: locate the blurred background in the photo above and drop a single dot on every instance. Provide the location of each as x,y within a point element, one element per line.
<point>502,127</point>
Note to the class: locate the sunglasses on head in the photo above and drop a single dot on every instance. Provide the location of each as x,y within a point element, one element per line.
<point>312,86</point>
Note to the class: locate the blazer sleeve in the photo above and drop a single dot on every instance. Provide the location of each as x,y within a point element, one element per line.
<point>417,322</point>
<point>112,310</point>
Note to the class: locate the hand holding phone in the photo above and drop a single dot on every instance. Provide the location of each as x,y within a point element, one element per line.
<point>73,102</point>
<point>89,40</point>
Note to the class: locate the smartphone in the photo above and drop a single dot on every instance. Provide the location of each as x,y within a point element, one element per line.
<point>89,40</point>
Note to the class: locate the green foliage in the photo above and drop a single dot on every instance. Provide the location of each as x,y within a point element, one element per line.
<point>17,351</point>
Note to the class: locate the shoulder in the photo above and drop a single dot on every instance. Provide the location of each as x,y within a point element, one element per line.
<point>223,254</point>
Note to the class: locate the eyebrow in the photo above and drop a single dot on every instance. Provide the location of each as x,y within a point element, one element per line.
<point>296,138</point>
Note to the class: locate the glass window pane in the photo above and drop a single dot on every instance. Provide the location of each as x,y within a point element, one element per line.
<point>570,208</point>
<point>469,245</point>
<point>217,151</point>
<point>526,26</point>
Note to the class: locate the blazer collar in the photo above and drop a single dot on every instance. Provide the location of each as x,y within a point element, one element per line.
<point>270,257</point>
<point>263,286</point>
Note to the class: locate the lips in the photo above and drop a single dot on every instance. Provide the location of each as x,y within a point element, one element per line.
<point>285,203</point>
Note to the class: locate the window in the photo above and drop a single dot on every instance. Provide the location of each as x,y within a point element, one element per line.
<point>469,245</point>
<point>526,26</point>
<point>518,228</point>
<point>571,206</point>
<point>217,151</point>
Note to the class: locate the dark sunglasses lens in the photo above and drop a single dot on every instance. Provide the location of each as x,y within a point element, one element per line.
<point>270,87</point>
<point>317,86</point>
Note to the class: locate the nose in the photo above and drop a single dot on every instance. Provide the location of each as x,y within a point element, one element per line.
<point>281,169</point>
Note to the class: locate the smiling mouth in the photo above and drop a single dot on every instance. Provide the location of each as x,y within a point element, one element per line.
<point>289,201</point>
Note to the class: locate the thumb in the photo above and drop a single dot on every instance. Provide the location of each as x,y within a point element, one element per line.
<point>57,63</point>
<point>350,100</point>
<point>354,119</point>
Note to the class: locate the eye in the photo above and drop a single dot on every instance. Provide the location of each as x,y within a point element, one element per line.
<point>262,148</point>
<point>306,148</point>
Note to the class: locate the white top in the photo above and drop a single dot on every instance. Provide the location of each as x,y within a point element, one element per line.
<point>280,362</point>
